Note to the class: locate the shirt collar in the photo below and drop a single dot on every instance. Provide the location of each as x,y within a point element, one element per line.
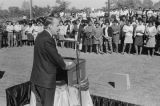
<point>49,32</point>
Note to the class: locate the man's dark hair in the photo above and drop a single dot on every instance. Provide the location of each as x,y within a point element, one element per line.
<point>48,21</point>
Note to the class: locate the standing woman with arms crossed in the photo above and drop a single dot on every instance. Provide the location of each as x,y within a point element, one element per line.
<point>128,29</point>
<point>151,32</point>
<point>139,33</point>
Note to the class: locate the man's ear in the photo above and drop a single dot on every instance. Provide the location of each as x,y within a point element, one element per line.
<point>49,26</point>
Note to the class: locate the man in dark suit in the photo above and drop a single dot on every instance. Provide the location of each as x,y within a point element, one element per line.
<point>45,64</point>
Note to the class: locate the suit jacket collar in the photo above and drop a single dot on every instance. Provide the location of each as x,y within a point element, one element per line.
<point>48,32</point>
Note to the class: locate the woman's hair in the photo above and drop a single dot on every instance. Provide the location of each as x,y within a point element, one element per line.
<point>115,21</point>
<point>140,19</point>
<point>107,21</point>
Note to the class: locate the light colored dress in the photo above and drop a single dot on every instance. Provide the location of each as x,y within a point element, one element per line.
<point>97,39</point>
<point>128,33</point>
<point>151,32</point>
<point>24,36</point>
<point>62,32</point>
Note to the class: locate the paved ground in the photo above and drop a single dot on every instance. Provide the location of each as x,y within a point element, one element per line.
<point>144,74</point>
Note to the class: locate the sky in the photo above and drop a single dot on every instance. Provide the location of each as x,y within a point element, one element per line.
<point>76,3</point>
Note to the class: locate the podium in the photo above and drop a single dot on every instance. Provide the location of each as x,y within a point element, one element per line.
<point>69,74</point>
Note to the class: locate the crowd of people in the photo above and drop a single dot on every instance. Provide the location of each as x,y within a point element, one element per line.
<point>125,30</point>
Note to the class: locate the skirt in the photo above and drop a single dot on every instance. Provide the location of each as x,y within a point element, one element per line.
<point>30,37</point>
<point>138,41</point>
<point>128,39</point>
<point>158,40</point>
<point>97,41</point>
<point>151,42</point>
<point>116,39</point>
<point>88,41</point>
<point>61,37</point>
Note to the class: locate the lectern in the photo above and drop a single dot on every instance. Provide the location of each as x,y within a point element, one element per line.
<point>69,75</point>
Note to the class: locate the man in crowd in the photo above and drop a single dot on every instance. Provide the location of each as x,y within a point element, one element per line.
<point>10,37</point>
<point>108,33</point>
<point>18,29</point>
<point>45,64</point>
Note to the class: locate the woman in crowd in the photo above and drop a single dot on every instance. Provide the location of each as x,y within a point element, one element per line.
<point>139,33</point>
<point>134,22</point>
<point>89,33</point>
<point>122,23</point>
<point>151,32</point>
<point>61,33</point>
<point>37,29</point>
<point>97,39</point>
<point>116,34</point>
<point>128,29</point>
<point>29,32</point>
<point>24,36</point>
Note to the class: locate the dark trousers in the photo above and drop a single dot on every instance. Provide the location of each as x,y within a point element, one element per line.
<point>0,40</point>
<point>44,96</point>
<point>18,38</point>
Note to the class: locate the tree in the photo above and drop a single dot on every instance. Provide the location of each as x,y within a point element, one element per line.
<point>14,11</point>
<point>25,5</point>
<point>126,3</point>
<point>39,11</point>
<point>147,3</point>
<point>63,6</point>
<point>73,10</point>
<point>87,10</point>
<point>137,3</point>
<point>157,5</point>
<point>4,14</point>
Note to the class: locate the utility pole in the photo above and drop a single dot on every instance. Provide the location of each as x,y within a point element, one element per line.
<point>109,8</point>
<point>31,15</point>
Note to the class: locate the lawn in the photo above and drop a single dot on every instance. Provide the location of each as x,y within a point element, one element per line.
<point>143,71</point>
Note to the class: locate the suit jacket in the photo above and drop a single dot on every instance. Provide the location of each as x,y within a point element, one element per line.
<point>110,31</point>
<point>46,61</point>
<point>80,32</point>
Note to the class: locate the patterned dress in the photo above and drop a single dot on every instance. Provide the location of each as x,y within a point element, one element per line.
<point>98,36</point>
<point>116,37</point>
<point>151,31</point>
<point>89,33</point>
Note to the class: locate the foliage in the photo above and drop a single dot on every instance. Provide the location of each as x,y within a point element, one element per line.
<point>147,4</point>
<point>126,3</point>
<point>62,7</point>
<point>157,5</point>
<point>16,12</point>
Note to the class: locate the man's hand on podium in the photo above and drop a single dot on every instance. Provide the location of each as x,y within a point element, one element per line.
<point>68,63</point>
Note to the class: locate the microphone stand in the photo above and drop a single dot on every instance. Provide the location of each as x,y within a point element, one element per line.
<point>78,74</point>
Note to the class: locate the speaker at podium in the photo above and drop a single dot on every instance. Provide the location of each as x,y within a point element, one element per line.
<point>69,75</point>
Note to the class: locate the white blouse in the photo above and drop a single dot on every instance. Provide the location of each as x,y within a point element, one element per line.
<point>140,29</point>
<point>128,30</point>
